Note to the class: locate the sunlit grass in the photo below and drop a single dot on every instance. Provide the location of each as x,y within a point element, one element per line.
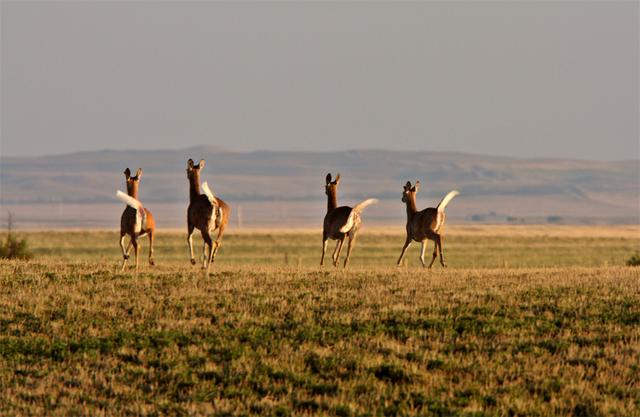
<point>471,247</point>
<point>555,332</point>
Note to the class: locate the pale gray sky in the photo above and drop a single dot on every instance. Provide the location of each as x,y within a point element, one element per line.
<point>555,79</point>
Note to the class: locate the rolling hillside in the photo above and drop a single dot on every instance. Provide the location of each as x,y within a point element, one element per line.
<point>286,188</point>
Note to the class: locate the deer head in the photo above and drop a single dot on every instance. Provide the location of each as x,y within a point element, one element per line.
<point>331,186</point>
<point>193,174</point>
<point>409,192</point>
<point>331,190</point>
<point>193,171</point>
<point>133,182</point>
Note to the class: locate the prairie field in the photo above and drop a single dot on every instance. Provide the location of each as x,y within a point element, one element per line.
<point>525,321</point>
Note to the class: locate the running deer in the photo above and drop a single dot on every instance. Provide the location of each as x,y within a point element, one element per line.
<point>424,225</point>
<point>340,222</point>
<point>206,213</point>
<point>136,221</point>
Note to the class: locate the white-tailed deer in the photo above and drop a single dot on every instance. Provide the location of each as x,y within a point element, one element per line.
<point>206,213</point>
<point>136,221</point>
<point>425,225</point>
<point>340,222</point>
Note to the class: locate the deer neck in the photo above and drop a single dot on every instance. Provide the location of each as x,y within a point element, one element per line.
<point>194,187</point>
<point>332,201</point>
<point>133,191</point>
<point>411,206</point>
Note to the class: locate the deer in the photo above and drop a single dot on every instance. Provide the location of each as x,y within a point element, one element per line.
<point>340,222</point>
<point>425,225</point>
<point>206,212</point>
<point>136,221</point>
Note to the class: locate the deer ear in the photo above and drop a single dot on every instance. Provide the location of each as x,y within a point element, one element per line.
<point>328,178</point>
<point>407,186</point>
<point>337,180</point>
<point>139,173</point>
<point>416,187</point>
<point>190,164</point>
<point>201,163</point>
<point>127,173</point>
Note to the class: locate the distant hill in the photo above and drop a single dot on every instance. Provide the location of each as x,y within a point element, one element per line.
<point>493,189</point>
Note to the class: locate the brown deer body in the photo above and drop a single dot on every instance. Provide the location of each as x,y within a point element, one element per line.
<point>206,213</point>
<point>340,222</point>
<point>425,225</point>
<point>136,221</point>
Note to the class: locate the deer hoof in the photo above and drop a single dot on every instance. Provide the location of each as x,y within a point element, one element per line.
<point>193,261</point>
<point>152,262</point>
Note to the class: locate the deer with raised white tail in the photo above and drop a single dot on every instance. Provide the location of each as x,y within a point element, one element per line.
<point>340,222</point>
<point>206,213</point>
<point>425,225</point>
<point>136,221</point>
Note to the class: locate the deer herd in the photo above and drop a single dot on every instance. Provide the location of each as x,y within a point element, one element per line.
<point>208,213</point>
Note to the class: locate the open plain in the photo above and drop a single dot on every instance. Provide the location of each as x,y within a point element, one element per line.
<point>527,320</point>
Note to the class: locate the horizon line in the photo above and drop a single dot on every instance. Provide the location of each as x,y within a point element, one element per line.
<point>222,149</point>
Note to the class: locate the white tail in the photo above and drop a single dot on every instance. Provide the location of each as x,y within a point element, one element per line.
<point>216,215</point>
<point>446,200</point>
<point>141,216</point>
<point>207,191</point>
<point>355,211</point>
<point>129,201</point>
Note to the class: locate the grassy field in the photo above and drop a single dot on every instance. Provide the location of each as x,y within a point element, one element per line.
<point>465,247</point>
<point>526,321</point>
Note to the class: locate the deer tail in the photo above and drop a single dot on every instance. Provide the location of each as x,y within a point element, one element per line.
<point>446,200</point>
<point>129,201</point>
<point>355,211</point>
<point>207,191</point>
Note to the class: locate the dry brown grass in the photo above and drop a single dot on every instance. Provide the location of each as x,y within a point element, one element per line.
<point>262,339</point>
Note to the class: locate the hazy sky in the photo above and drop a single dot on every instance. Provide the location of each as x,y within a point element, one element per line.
<point>508,78</point>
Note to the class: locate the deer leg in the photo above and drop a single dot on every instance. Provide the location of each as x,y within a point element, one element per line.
<point>136,250</point>
<point>440,249</point>
<point>125,252</point>
<point>404,249</point>
<point>325,243</point>
<point>422,250</point>
<point>337,251</point>
<point>352,242</point>
<point>204,253</point>
<point>190,228</point>
<point>211,253</point>
<point>151,235</point>
<point>435,254</point>
<point>206,236</point>
<point>218,242</point>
